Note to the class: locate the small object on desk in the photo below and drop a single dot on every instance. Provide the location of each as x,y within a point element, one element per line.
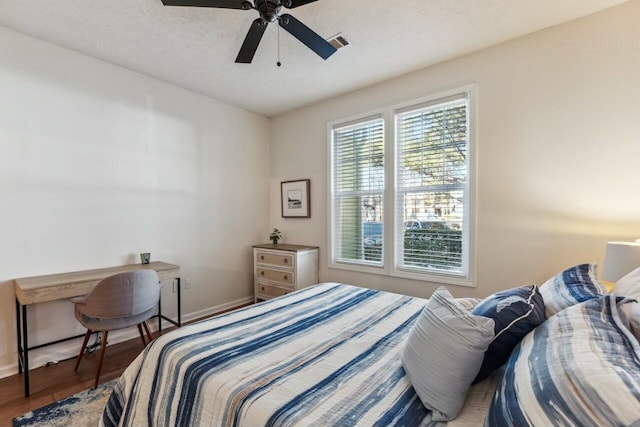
<point>145,257</point>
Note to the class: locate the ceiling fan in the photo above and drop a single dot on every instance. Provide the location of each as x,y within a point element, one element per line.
<point>269,11</point>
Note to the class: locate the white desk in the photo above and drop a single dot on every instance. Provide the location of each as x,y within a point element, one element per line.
<point>33,290</point>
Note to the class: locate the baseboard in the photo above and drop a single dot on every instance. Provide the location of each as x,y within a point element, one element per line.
<point>65,350</point>
<point>8,370</point>
<point>207,312</point>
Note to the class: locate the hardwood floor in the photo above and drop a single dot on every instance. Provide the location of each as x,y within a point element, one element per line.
<point>55,382</point>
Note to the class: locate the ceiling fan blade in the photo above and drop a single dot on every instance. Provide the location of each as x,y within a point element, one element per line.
<point>223,4</point>
<point>290,4</point>
<point>307,36</point>
<point>251,42</point>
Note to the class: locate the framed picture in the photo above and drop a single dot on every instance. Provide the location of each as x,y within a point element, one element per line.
<point>296,202</point>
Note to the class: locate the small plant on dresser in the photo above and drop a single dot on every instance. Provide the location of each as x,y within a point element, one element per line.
<point>275,236</point>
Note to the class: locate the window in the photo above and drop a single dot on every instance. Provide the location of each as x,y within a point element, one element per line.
<point>431,170</point>
<point>358,190</point>
<point>425,232</point>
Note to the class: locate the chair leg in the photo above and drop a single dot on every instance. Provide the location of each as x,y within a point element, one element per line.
<point>144,343</point>
<point>102,348</point>
<point>146,328</point>
<point>84,347</point>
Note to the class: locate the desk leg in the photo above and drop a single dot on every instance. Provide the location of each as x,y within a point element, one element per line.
<point>179,305</point>
<point>19,336</point>
<point>25,350</point>
<point>160,315</point>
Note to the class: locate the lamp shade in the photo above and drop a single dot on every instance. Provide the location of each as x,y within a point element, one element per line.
<point>620,259</point>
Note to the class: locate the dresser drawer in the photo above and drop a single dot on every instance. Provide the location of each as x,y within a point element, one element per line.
<point>281,260</point>
<point>272,291</point>
<point>275,275</point>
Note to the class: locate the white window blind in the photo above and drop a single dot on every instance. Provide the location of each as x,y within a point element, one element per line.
<point>431,212</point>
<point>357,192</point>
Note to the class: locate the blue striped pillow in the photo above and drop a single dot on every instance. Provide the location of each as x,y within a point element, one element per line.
<point>572,286</point>
<point>581,367</point>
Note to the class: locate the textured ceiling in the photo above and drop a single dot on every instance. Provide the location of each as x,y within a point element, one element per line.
<point>195,48</point>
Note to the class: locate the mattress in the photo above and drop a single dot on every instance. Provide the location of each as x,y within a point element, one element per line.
<point>325,355</point>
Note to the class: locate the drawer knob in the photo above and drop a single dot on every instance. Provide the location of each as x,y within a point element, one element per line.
<point>262,273</point>
<point>262,288</point>
<point>286,277</point>
<point>286,260</point>
<point>261,257</point>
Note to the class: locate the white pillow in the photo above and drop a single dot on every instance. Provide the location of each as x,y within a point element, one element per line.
<point>443,353</point>
<point>629,286</point>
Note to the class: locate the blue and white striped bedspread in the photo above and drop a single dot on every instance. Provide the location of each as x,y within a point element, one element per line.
<point>327,355</point>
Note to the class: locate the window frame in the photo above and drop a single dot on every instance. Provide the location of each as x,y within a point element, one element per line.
<point>391,253</point>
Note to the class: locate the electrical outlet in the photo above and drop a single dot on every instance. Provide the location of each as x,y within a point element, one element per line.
<point>187,284</point>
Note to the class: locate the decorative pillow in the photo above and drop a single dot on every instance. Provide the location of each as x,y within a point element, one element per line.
<point>631,314</point>
<point>581,367</point>
<point>629,286</point>
<point>572,286</point>
<point>515,313</point>
<point>443,353</point>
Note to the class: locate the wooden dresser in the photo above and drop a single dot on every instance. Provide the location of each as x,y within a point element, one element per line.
<point>281,269</point>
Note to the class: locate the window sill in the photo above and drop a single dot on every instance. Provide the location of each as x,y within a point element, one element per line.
<point>456,280</point>
<point>433,277</point>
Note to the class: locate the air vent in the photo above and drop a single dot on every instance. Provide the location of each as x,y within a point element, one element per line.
<point>338,41</point>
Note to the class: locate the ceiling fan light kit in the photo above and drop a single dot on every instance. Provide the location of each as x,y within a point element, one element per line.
<point>269,11</point>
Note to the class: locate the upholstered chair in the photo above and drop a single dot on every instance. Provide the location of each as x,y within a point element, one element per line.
<point>117,302</point>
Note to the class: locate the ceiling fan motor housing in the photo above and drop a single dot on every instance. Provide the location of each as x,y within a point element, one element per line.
<point>269,9</point>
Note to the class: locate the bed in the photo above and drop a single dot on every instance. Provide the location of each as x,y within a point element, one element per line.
<point>326,355</point>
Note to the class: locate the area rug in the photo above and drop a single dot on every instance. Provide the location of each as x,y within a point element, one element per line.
<point>81,409</point>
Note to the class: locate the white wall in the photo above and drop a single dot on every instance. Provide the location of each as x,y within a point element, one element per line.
<point>557,151</point>
<point>98,164</point>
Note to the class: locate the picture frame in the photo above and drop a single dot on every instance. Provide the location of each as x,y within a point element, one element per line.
<point>296,198</point>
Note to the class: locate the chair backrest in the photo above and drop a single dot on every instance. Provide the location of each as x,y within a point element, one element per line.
<point>123,295</point>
